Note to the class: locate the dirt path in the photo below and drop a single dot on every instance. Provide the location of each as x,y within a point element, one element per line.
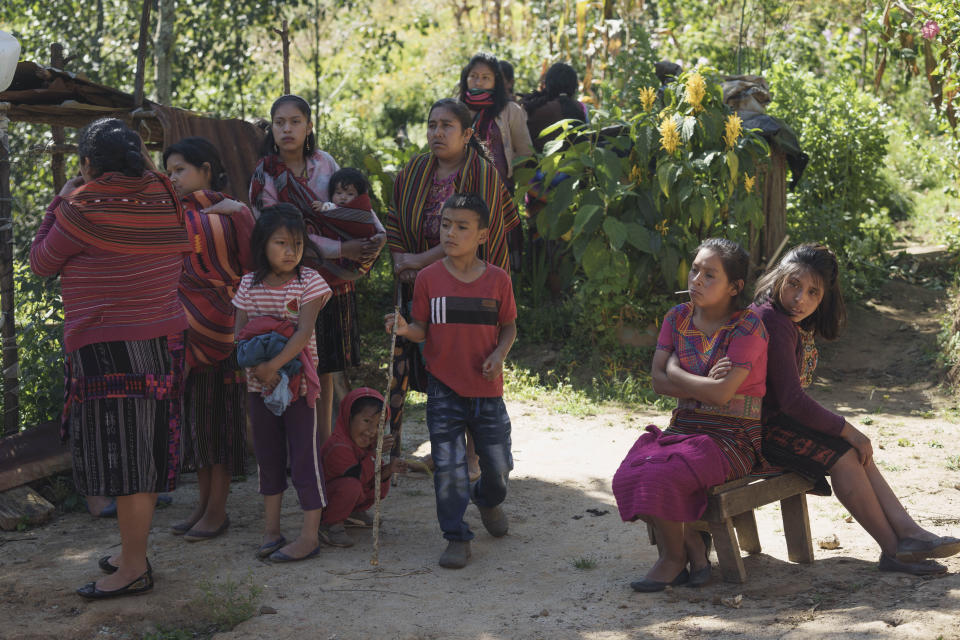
<point>882,374</point>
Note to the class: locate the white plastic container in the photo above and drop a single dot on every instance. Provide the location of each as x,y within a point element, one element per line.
<point>9,54</point>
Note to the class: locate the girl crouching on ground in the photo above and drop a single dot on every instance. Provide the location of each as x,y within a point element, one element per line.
<point>712,357</point>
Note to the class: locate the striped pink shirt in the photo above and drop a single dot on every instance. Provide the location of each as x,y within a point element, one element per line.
<point>283,302</point>
<point>108,296</point>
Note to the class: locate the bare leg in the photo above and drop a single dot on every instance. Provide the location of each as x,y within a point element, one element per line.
<point>215,500</point>
<point>855,491</point>
<point>901,522</point>
<point>134,514</point>
<point>673,557</point>
<point>271,517</point>
<point>308,539</point>
<point>203,486</point>
<point>96,504</point>
<point>325,407</point>
<point>695,548</point>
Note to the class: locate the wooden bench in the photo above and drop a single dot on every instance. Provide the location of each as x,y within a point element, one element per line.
<point>729,518</point>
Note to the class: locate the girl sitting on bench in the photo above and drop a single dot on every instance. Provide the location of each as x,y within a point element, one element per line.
<point>712,356</point>
<point>799,300</point>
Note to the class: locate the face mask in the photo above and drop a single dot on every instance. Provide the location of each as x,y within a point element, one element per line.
<point>478,98</point>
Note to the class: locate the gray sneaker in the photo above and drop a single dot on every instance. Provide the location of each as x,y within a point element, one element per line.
<point>335,535</point>
<point>456,554</point>
<point>494,520</point>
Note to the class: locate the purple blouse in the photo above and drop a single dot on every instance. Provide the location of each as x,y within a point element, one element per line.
<point>785,394</point>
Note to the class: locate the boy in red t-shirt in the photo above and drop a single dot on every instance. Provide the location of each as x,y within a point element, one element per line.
<point>463,308</point>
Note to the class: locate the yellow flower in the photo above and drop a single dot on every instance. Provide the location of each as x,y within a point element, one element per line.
<point>669,136</point>
<point>662,227</point>
<point>696,90</point>
<point>636,174</point>
<point>648,96</point>
<point>748,183</point>
<point>733,129</point>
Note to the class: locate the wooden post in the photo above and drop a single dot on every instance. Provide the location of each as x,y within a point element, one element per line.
<point>57,160</point>
<point>284,34</point>
<point>11,373</point>
<point>141,54</point>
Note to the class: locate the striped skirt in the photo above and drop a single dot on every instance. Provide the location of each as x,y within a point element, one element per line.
<point>122,412</point>
<point>215,418</point>
<point>338,333</point>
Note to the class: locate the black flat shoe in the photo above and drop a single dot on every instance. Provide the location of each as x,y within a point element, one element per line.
<point>141,585</point>
<point>921,568</point>
<point>106,567</point>
<point>914,549</point>
<point>650,586</point>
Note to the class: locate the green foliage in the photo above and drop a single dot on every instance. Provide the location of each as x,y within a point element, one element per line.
<point>228,603</point>
<point>844,198</point>
<point>635,205</point>
<point>39,325</point>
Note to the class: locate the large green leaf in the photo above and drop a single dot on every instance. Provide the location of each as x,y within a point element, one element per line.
<point>596,257</point>
<point>733,163</point>
<point>616,231</point>
<point>639,236</point>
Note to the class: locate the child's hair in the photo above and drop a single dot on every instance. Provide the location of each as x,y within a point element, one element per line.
<point>270,145</point>
<point>500,98</point>
<point>471,202</point>
<point>830,316</point>
<point>364,403</point>
<point>346,177</point>
<point>110,145</point>
<point>736,264</point>
<point>279,216</point>
<point>507,70</point>
<point>462,113</point>
<point>199,151</point>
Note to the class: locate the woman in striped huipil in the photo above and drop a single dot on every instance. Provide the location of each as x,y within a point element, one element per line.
<point>215,389</point>
<point>116,236</point>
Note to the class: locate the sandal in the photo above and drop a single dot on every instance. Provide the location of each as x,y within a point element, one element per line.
<point>921,568</point>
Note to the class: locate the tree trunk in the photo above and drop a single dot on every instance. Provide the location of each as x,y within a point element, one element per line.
<point>57,160</point>
<point>164,52</point>
<point>138,78</point>
<point>11,374</point>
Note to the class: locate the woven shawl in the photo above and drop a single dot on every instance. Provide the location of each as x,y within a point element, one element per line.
<point>211,275</point>
<point>339,224</point>
<point>130,215</point>
<point>410,190</point>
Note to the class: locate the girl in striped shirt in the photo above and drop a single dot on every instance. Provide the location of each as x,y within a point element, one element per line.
<point>283,297</point>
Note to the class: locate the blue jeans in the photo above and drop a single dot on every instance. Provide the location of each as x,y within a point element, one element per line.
<point>449,416</point>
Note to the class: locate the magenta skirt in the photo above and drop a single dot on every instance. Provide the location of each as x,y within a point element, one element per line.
<point>667,475</point>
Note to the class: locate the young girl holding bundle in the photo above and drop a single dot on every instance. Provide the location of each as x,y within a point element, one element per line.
<point>281,297</point>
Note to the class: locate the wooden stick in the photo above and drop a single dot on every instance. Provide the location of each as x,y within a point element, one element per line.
<point>284,34</point>
<point>375,559</point>
<point>776,253</point>
<point>58,161</point>
<point>141,54</point>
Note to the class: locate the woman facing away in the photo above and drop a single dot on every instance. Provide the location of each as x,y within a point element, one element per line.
<point>712,356</point>
<point>116,236</point>
<point>799,300</point>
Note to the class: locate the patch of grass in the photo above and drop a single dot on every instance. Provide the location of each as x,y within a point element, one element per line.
<point>953,463</point>
<point>584,563</point>
<point>164,633</point>
<point>933,444</point>
<point>226,604</point>
<point>890,467</point>
<point>866,420</point>
<point>904,442</point>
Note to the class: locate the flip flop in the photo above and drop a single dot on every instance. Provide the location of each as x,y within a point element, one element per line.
<point>280,556</point>
<point>267,548</point>
<point>194,535</point>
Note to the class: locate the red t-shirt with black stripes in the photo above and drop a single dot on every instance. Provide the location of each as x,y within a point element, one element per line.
<point>463,325</point>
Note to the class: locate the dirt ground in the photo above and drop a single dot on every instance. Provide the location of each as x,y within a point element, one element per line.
<point>882,374</point>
